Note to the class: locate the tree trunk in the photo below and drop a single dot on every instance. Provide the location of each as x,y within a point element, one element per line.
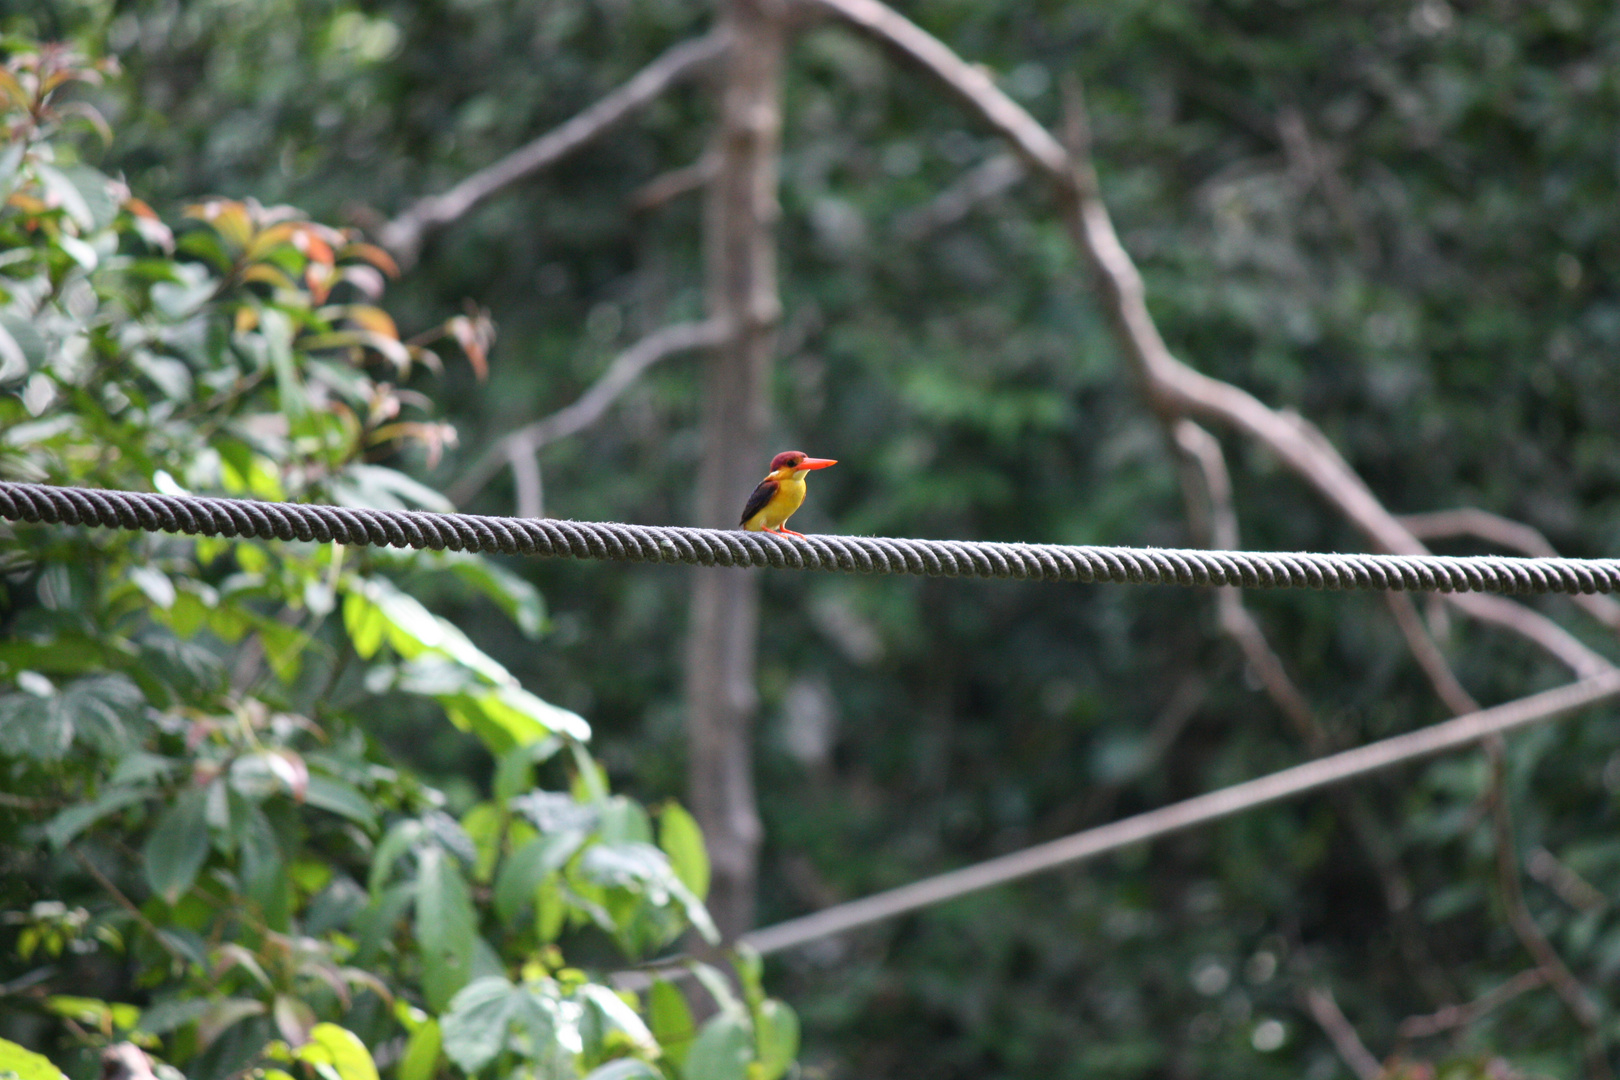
<point>740,212</point>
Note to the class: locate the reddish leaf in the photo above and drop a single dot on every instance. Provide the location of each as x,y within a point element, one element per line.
<point>374,255</point>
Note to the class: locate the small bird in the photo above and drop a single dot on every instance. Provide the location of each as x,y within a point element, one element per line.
<point>780,493</point>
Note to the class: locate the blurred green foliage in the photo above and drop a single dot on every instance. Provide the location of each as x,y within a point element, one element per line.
<point>1395,217</point>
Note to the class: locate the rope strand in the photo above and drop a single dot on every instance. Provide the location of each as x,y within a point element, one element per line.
<point>552,538</point>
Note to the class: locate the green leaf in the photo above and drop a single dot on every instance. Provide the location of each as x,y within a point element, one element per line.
<point>26,1064</point>
<point>515,596</point>
<point>283,648</point>
<point>179,300</point>
<point>61,829</point>
<point>380,488</point>
<point>474,1029</point>
<point>399,839</point>
<point>446,927</point>
<point>342,799</point>
<point>671,1020</point>
<point>341,1049</point>
<point>422,1052</point>
<point>721,1051</point>
<point>682,841</point>
<point>95,190</point>
<point>10,161</point>
<point>67,194</point>
<point>365,624</point>
<point>750,969</point>
<point>93,1012</point>
<point>776,1034</point>
<point>178,845</point>
<point>524,870</point>
<point>610,1013</point>
<point>102,711</point>
<point>625,1069</point>
<point>276,330</point>
<point>625,822</point>
<point>22,348</point>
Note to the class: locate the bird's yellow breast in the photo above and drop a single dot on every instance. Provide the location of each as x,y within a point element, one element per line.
<point>789,497</point>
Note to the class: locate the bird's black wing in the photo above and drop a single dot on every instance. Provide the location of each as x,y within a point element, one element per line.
<point>757,501</point>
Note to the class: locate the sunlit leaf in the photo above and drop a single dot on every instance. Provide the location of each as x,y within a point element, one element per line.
<point>26,1064</point>
<point>340,1048</point>
<point>422,1052</point>
<point>229,219</point>
<point>372,319</point>
<point>671,1019</point>
<point>682,841</point>
<point>776,1033</point>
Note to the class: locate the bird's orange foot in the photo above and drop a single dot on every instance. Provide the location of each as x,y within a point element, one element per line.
<point>790,532</point>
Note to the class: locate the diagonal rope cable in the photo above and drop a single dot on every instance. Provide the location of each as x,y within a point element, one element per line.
<point>552,538</point>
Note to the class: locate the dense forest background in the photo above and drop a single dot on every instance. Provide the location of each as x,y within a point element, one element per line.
<point>1395,219</point>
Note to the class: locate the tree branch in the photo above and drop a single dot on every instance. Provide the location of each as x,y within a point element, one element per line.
<point>671,185</point>
<point>1172,388</point>
<point>1318,1001</point>
<point>1562,980</point>
<point>404,234</point>
<point>1220,526</point>
<point>984,181</point>
<point>571,419</point>
<point>1510,534</point>
<point>1456,1016</point>
<point>1200,810</point>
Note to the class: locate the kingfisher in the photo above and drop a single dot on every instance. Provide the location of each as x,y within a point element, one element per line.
<point>780,493</point>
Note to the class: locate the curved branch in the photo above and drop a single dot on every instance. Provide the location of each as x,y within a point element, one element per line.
<point>1559,977</point>
<point>1203,453</point>
<point>1456,1016</point>
<point>404,234</point>
<point>1173,388</point>
<point>588,408</point>
<point>991,177</point>
<point>1506,533</point>
<point>1318,1000</point>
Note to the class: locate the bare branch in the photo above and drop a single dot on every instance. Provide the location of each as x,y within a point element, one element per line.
<point>403,235</point>
<point>1562,980</point>
<point>526,477</point>
<point>672,185</point>
<point>1173,389</point>
<point>1318,1000</point>
<point>1571,888</point>
<point>1456,1016</point>
<point>1200,810</point>
<point>1513,535</point>
<point>1203,451</point>
<point>128,905</point>
<point>626,368</point>
<point>1429,656</point>
<point>981,183</point>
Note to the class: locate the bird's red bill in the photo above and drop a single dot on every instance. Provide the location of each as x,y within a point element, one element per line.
<point>815,463</point>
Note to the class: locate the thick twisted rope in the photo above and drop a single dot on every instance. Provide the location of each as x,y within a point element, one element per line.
<point>550,538</point>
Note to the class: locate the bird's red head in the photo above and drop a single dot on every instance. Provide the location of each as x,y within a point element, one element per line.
<point>796,460</point>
